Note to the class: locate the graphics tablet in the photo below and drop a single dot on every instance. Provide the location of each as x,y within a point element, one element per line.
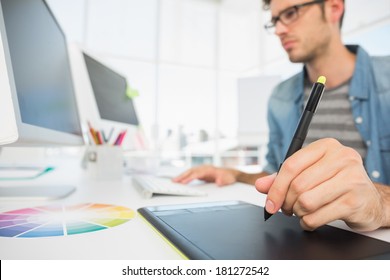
<point>237,230</point>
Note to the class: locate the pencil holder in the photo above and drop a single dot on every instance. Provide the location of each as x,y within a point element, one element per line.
<point>104,162</point>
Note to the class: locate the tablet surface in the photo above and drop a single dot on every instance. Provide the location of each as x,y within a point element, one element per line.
<point>237,230</point>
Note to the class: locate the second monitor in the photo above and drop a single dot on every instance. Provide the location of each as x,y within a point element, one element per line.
<point>109,88</point>
<point>103,99</point>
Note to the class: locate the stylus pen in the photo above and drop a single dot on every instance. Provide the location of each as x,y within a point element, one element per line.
<point>303,126</point>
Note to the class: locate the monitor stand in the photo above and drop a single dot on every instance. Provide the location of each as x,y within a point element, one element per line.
<point>34,192</point>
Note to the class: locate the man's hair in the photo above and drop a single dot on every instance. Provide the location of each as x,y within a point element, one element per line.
<point>266,4</point>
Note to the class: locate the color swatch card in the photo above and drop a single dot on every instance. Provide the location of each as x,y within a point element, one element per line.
<point>60,220</point>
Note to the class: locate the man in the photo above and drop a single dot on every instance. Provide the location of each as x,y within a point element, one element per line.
<point>325,180</point>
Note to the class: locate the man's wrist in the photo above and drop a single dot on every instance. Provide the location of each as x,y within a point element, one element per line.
<point>248,178</point>
<point>384,192</point>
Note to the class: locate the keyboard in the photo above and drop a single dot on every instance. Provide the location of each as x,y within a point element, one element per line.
<point>150,185</point>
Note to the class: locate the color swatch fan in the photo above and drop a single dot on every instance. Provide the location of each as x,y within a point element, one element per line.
<point>62,220</point>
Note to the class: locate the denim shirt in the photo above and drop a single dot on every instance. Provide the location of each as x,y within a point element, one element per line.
<point>369,94</point>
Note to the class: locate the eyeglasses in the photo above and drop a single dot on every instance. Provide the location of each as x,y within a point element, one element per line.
<point>289,15</point>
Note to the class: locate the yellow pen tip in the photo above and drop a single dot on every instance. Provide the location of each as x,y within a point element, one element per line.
<point>321,79</point>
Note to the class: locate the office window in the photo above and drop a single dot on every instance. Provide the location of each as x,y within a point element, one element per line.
<point>71,16</point>
<point>187,32</point>
<point>186,72</point>
<point>239,42</point>
<point>122,28</point>
<point>187,102</point>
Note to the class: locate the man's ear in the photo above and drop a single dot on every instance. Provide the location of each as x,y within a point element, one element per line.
<point>335,10</point>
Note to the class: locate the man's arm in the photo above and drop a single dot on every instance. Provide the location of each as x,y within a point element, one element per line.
<point>221,176</point>
<point>250,178</point>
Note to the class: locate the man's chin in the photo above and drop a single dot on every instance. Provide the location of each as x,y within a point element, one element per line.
<point>294,58</point>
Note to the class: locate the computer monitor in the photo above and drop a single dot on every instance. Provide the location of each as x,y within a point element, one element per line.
<point>109,88</point>
<point>36,81</point>
<point>35,60</point>
<point>103,98</point>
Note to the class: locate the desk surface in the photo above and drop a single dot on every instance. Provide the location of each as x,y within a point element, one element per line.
<point>132,240</point>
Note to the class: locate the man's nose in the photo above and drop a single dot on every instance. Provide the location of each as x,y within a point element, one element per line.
<point>280,28</point>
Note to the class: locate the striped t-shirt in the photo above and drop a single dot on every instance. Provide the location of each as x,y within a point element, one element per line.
<point>334,119</point>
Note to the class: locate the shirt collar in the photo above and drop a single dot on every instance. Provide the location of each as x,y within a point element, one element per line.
<point>360,82</point>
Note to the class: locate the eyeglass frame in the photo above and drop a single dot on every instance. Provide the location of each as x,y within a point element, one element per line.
<point>274,20</point>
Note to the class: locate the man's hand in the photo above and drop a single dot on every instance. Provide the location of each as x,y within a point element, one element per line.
<point>209,173</point>
<point>323,182</point>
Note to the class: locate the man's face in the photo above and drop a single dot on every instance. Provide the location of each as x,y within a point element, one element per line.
<point>307,36</point>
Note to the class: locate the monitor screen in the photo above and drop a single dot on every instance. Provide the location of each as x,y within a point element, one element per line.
<point>37,63</point>
<point>109,89</point>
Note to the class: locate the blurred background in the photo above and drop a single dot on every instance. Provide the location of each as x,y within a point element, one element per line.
<point>196,64</point>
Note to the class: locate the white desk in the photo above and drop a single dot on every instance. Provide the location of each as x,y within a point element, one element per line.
<point>132,240</point>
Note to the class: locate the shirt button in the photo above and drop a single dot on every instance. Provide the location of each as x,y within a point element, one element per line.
<point>351,98</point>
<point>368,143</point>
<point>375,174</point>
<point>359,120</point>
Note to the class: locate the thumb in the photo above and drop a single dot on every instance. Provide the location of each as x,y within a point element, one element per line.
<point>263,184</point>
